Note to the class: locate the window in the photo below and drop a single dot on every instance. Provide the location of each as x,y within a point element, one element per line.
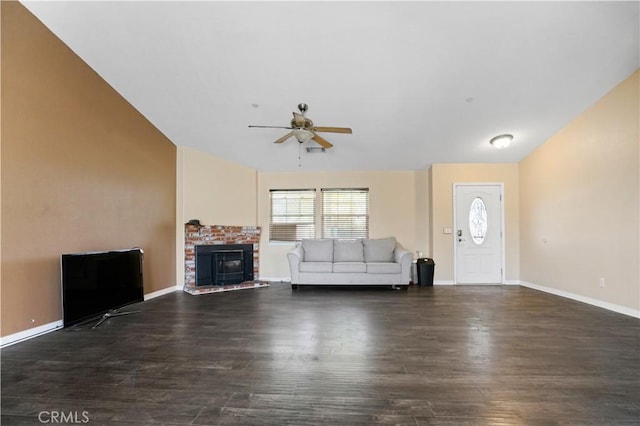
<point>293,214</point>
<point>478,221</point>
<point>345,213</point>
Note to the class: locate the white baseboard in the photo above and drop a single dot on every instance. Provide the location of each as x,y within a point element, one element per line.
<point>276,279</point>
<point>30,333</point>
<point>451,282</point>
<point>584,299</point>
<point>52,326</point>
<point>160,292</point>
<point>444,282</point>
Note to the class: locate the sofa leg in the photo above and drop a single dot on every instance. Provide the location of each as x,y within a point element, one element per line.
<point>294,286</point>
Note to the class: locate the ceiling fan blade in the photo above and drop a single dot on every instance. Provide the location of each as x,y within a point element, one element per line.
<point>333,129</point>
<point>284,138</point>
<point>322,141</point>
<point>298,120</point>
<point>272,127</point>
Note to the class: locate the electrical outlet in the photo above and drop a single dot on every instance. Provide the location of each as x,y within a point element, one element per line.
<point>601,282</point>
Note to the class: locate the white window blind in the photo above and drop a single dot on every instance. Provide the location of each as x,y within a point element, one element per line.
<point>293,214</point>
<point>345,213</point>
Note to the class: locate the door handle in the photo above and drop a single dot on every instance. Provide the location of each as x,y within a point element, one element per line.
<point>459,233</point>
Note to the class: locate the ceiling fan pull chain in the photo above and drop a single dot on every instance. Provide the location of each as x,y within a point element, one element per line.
<point>299,155</point>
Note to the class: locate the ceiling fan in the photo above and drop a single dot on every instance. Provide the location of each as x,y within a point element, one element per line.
<point>303,129</point>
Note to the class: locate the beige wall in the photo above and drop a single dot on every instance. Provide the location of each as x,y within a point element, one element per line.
<point>82,170</point>
<point>393,206</point>
<point>443,176</point>
<point>423,209</point>
<point>214,191</point>
<point>579,211</point>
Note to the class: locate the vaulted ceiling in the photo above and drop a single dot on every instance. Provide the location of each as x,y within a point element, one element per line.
<point>418,82</point>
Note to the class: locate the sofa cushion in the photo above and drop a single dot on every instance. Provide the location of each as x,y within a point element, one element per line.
<point>383,268</point>
<point>348,251</point>
<point>320,250</point>
<point>379,250</point>
<point>315,266</point>
<point>350,267</point>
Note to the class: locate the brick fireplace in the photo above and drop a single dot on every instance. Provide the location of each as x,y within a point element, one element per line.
<point>207,235</point>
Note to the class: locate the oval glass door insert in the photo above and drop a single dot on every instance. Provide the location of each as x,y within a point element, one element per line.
<point>478,220</point>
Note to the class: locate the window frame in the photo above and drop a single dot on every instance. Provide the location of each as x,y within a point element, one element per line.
<point>348,217</point>
<point>295,234</point>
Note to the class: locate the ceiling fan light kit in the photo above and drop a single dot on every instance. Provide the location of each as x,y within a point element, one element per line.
<point>501,141</point>
<point>302,135</point>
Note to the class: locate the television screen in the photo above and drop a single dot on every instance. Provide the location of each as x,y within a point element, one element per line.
<point>98,282</point>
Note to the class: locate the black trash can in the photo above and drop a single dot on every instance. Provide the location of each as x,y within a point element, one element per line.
<point>425,267</point>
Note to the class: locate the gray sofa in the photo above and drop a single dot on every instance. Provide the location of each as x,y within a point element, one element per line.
<point>350,262</point>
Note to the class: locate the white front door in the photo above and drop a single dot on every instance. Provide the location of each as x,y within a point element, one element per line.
<point>478,229</point>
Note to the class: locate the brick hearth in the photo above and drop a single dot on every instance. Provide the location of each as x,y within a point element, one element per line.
<point>216,234</point>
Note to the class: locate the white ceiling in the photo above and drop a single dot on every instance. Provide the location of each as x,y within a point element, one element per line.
<point>418,82</point>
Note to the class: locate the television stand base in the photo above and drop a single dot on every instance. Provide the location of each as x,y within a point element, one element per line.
<point>113,313</point>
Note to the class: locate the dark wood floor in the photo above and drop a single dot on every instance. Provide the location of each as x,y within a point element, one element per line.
<point>427,356</point>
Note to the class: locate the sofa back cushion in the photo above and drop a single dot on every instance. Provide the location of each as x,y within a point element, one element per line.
<point>320,250</point>
<point>379,250</point>
<point>348,251</point>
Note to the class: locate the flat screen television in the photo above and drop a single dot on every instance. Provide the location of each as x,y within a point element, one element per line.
<point>99,283</point>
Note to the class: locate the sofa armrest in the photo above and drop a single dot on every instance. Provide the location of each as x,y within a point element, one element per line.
<point>295,256</point>
<point>404,258</point>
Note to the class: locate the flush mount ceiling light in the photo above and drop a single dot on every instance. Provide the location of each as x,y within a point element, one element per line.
<point>501,141</point>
